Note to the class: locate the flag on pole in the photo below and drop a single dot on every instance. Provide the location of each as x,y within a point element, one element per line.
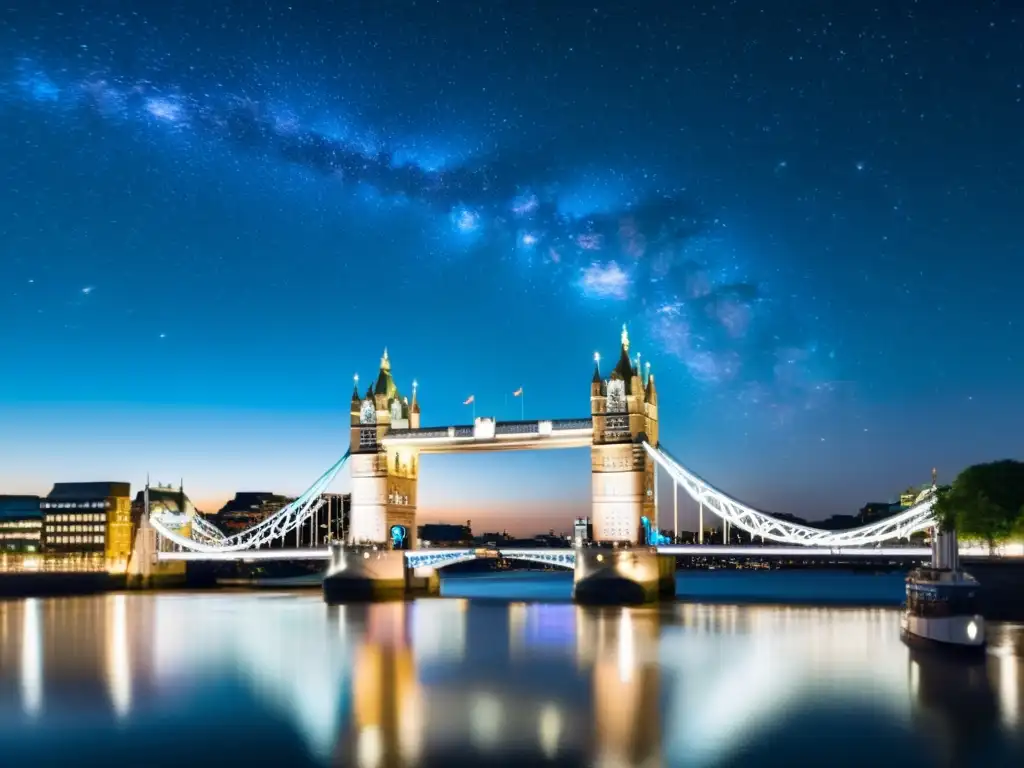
<point>469,400</point>
<point>518,392</point>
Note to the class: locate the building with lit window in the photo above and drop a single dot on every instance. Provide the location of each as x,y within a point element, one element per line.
<point>445,535</point>
<point>247,509</point>
<point>93,520</point>
<point>21,524</point>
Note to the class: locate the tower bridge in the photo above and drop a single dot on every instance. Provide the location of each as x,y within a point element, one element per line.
<point>387,443</point>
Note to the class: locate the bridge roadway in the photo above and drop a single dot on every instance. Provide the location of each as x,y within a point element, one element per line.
<point>563,557</point>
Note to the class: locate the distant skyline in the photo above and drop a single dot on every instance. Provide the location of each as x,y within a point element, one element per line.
<point>218,213</point>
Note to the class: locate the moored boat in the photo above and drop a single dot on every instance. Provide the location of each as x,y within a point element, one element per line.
<point>942,602</point>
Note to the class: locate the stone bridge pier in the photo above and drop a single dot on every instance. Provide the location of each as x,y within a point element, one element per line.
<point>371,573</point>
<point>601,575</point>
<point>617,576</point>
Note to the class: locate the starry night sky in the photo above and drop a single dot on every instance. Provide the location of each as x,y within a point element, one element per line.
<point>214,214</point>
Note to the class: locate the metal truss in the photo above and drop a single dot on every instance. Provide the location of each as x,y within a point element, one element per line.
<point>916,518</point>
<point>439,558</point>
<point>283,521</point>
<point>206,531</point>
<point>564,558</point>
<point>176,521</point>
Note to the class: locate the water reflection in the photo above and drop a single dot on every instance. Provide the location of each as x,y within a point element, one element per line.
<point>450,681</point>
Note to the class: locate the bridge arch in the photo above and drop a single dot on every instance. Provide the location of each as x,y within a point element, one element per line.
<point>441,558</point>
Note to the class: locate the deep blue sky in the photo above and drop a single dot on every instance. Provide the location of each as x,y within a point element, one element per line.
<point>213,214</point>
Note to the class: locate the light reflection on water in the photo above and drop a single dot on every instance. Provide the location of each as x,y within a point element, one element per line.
<point>282,678</point>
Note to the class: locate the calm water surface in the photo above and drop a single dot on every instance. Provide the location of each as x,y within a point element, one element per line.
<point>255,678</point>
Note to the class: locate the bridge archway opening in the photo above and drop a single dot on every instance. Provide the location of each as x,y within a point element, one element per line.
<point>522,492</point>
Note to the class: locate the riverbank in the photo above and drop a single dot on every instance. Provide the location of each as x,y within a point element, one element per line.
<point>15,585</point>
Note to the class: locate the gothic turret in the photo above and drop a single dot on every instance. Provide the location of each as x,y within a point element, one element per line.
<point>637,382</point>
<point>357,402</point>
<point>623,370</point>
<point>384,390</point>
<point>650,391</point>
<point>414,407</point>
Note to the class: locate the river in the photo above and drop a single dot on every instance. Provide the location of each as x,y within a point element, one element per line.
<point>525,678</point>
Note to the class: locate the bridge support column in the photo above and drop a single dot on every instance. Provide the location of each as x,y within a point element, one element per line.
<point>613,576</point>
<point>368,516</point>
<point>367,573</point>
<point>383,497</point>
<point>144,569</point>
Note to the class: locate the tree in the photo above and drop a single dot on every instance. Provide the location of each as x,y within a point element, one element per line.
<point>986,501</point>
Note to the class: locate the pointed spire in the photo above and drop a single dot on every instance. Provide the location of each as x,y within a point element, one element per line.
<point>355,387</point>
<point>414,407</point>
<point>624,368</point>
<point>597,369</point>
<point>385,383</point>
<point>650,391</point>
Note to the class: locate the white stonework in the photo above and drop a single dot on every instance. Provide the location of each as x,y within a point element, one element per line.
<point>368,517</point>
<point>617,505</point>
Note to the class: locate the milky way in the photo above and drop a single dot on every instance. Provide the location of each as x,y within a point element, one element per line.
<point>648,257</point>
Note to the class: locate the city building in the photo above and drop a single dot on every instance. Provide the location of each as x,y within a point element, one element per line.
<point>91,520</point>
<point>838,522</point>
<point>164,498</point>
<point>874,511</point>
<point>494,539</point>
<point>583,530</point>
<point>21,524</point>
<point>445,535</point>
<point>248,508</point>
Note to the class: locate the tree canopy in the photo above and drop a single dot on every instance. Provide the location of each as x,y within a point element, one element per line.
<point>986,501</point>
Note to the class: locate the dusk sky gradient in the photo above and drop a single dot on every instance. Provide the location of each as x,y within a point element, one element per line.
<point>214,215</point>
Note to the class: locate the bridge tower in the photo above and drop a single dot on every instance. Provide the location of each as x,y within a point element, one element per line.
<point>384,487</point>
<point>624,408</point>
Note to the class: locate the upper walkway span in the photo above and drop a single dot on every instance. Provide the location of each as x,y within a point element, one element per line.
<point>490,435</point>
